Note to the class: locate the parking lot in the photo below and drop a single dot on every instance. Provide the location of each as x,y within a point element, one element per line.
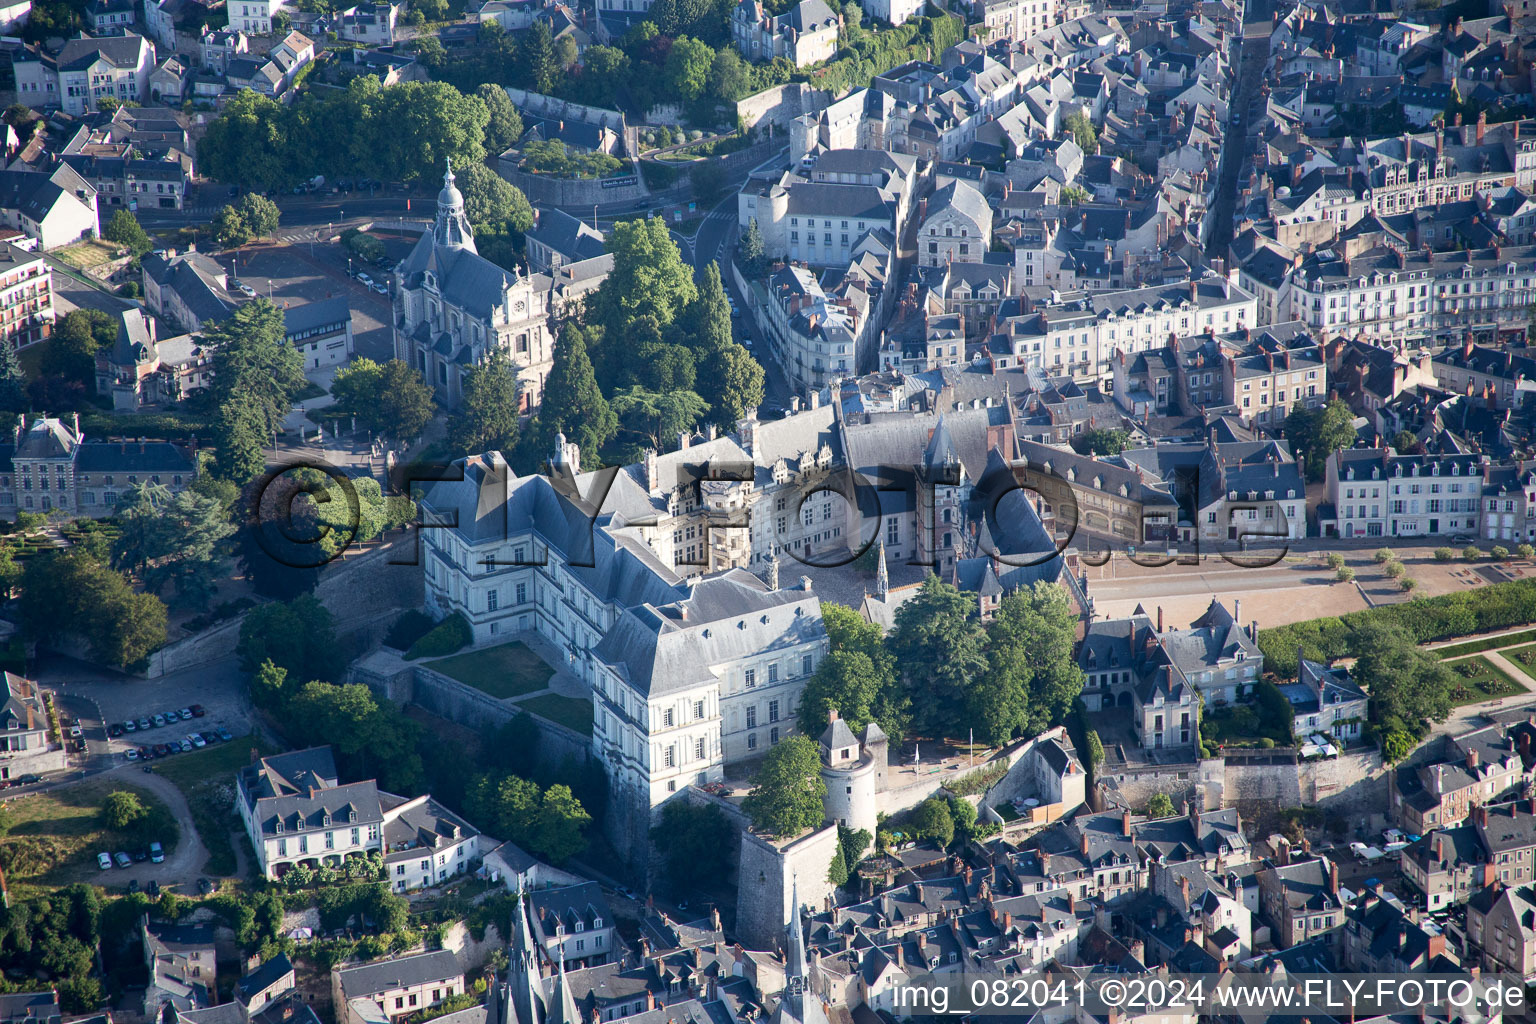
<point>99,699</point>
<point>294,273</point>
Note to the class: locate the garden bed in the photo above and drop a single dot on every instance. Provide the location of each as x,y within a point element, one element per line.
<point>1477,679</point>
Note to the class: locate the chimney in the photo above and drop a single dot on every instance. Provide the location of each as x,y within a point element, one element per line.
<point>683,438</point>
<point>1085,844</point>
<point>1159,618</point>
<point>1333,877</point>
<point>1184,890</point>
<point>1480,815</point>
<point>1125,823</point>
<point>1472,759</point>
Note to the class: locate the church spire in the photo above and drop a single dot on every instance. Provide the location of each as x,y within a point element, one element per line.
<point>797,1003</point>
<point>523,968</point>
<point>794,960</point>
<point>882,575</point>
<point>562,1006</point>
<point>452,230</point>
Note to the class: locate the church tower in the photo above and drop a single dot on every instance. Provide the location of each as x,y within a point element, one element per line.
<point>526,996</point>
<point>452,230</point>
<point>797,1003</point>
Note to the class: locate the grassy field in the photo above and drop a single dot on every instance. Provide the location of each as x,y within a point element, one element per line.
<point>54,836</point>
<point>207,778</point>
<point>1478,679</point>
<point>510,670</point>
<point>84,255</point>
<point>571,712</point>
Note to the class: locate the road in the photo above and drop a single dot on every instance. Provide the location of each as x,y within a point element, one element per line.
<point>1257,15</point>
<point>184,865</point>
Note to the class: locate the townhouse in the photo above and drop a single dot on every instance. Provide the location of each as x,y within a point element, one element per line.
<point>394,988</point>
<point>54,209</point>
<point>24,742</point>
<point>1376,492</point>
<point>115,67</point>
<point>1301,899</point>
<point>805,34</point>
<point>956,226</point>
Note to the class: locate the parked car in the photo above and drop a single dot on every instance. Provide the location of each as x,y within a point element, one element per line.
<point>154,888</point>
<point>186,714</point>
<point>187,747</point>
<point>198,711</point>
<point>381,287</point>
<point>243,289</point>
<point>161,750</point>
<point>114,730</point>
<point>122,859</point>
<point>74,732</point>
<point>133,885</point>
<point>140,856</point>
<point>28,779</point>
<point>146,724</point>
<point>132,754</point>
<point>204,886</point>
<point>156,853</point>
<point>363,279</point>
<point>130,726</point>
<point>158,721</point>
<point>225,735</point>
<point>145,753</point>
<point>104,861</point>
<point>196,740</point>
<point>209,736</point>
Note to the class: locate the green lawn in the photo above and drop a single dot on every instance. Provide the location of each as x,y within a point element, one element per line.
<point>510,670</point>
<point>1525,657</point>
<point>207,779</point>
<point>1486,644</point>
<point>54,836</point>
<point>1478,679</point>
<point>571,712</point>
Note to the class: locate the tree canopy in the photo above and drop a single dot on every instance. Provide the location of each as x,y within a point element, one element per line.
<point>787,791</point>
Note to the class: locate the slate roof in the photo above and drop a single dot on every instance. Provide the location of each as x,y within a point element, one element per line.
<point>23,707</point>
<point>120,51</point>
<point>29,1008</point>
<point>321,313</point>
<point>132,457</point>
<point>401,972</point>
<point>569,236</point>
<point>299,791</point>
<point>263,977</point>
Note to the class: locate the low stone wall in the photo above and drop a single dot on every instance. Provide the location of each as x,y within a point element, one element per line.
<point>464,705</point>
<point>213,644</point>
<point>543,190</point>
<point>470,952</point>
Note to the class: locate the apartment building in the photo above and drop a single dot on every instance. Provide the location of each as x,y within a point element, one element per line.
<point>111,66</point>
<point>805,34</point>
<point>1377,492</point>
<point>395,988</point>
<point>26,297</point>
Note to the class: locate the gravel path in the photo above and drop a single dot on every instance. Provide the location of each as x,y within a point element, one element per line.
<point>182,867</point>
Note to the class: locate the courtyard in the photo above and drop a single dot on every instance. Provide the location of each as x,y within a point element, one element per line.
<point>510,670</point>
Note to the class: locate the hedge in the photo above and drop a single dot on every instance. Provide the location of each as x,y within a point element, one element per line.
<point>1487,644</point>
<point>1496,606</point>
<point>450,635</point>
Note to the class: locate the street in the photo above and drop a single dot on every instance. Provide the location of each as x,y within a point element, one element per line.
<point>1250,75</point>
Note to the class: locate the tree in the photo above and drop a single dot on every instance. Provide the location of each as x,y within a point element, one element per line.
<point>1032,679</point>
<point>1074,195</point>
<point>1083,132</point>
<point>787,790</point>
<point>493,201</point>
<point>708,317</point>
<point>405,403</point>
<point>70,592</point>
<point>573,404</point>
<point>1100,441</point>
<point>1160,806</point>
<point>857,679</point>
<point>729,76</point>
<point>754,257</point>
<point>13,380</point>
<point>853,842</point>
<point>537,58</point>
<point>649,278</point>
<point>505,126</point>
<point>1397,744</point>
<point>695,841</point>
<point>732,383</point>
<point>298,637</point>
<point>122,810</point>
<point>259,214</point>
<point>231,228</point>
<point>660,415</point>
<point>931,819</point>
<point>687,68</point>
<point>1317,433</point>
<point>269,686</point>
<point>239,436</point>
<point>1406,442</point>
<point>837,871</point>
<point>77,337</point>
<point>254,365</point>
<point>124,229</point>
<point>559,826</point>
<point>372,739</point>
<point>1407,685</point>
<point>708,181</point>
<point>939,646</point>
<point>487,416</point>
<point>248,145</point>
<point>1095,749</point>
<point>172,539</point>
